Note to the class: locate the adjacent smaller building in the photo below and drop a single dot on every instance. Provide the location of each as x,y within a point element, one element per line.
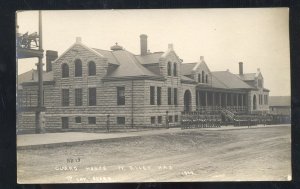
<point>280,108</point>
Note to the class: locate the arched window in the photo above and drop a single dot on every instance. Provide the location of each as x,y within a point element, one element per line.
<point>202,76</point>
<point>64,70</point>
<point>78,68</point>
<point>92,68</point>
<point>206,78</point>
<point>169,69</point>
<point>175,69</point>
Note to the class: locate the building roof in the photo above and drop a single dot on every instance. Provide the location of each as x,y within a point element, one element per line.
<point>149,58</point>
<point>279,101</point>
<point>32,76</point>
<point>187,79</point>
<point>109,55</point>
<point>247,76</point>
<point>225,79</point>
<point>186,68</point>
<point>129,66</point>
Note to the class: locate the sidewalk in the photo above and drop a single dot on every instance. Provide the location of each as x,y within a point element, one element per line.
<point>30,141</point>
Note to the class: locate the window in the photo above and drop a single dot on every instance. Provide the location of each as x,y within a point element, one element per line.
<point>206,78</point>
<point>152,93</point>
<point>121,120</point>
<point>175,96</point>
<point>78,97</point>
<point>78,68</point>
<point>65,97</point>
<point>158,95</point>
<point>260,83</point>
<point>153,120</point>
<point>199,78</point>
<point>266,101</point>
<point>169,96</point>
<point>202,76</point>
<point>170,119</point>
<point>92,120</point>
<point>169,69</point>
<point>121,95</point>
<point>176,118</point>
<point>78,119</point>
<point>65,122</point>
<point>159,119</point>
<point>92,97</point>
<point>175,69</point>
<point>92,68</point>
<point>64,70</point>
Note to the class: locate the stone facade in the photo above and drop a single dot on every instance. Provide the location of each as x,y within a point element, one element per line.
<point>137,111</point>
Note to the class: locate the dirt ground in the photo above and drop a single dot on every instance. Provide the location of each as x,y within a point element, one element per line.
<point>254,154</point>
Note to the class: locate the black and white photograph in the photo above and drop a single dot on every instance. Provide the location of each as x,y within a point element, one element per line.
<point>153,95</point>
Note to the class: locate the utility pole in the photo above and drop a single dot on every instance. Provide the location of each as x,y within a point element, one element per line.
<point>39,112</point>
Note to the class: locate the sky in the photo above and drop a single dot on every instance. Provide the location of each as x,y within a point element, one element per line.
<point>257,37</point>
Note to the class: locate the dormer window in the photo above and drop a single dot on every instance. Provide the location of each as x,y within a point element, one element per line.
<point>202,76</point>
<point>260,83</point>
<point>92,68</point>
<point>206,79</point>
<point>64,70</point>
<point>78,68</point>
<point>175,69</point>
<point>169,69</point>
<point>199,78</point>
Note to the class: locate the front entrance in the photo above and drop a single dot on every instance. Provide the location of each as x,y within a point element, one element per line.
<point>187,101</point>
<point>65,122</point>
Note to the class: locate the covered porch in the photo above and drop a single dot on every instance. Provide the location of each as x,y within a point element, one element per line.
<point>212,99</point>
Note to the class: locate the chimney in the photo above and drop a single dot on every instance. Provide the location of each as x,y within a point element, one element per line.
<point>143,41</point>
<point>241,68</point>
<point>170,46</point>
<point>78,39</point>
<point>201,58</point>
<point>50,57</point>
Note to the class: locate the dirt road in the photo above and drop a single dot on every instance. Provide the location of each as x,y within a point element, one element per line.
<point>194,155</point>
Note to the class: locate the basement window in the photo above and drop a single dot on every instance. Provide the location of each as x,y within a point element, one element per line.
<point>92,120</point>
<point>153,120</point>
<point>78,119</point>
<point>121,120</point>
<point>159,119</point>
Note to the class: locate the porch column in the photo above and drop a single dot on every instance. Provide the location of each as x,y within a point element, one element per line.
<point>220,99</point>
<point>205,98</point>
<point>242,100</point>
<point>199,101</point>
<point>237,99</point>
<point>226,99</point>
<point>213,99</point>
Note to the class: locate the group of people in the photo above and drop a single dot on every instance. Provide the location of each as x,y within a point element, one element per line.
<point>25,40</point>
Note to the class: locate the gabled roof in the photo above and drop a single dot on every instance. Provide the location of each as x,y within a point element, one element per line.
<point>149,58</point>
<point>129,66</point>
<point>82,45</point>
<point>186,68</point>
<point>279,101</point>
<point>109,55</point>
<point>225,79</point>
<point>247,76</point>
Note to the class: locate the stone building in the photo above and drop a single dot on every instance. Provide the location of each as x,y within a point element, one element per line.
<point>88,88</point>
